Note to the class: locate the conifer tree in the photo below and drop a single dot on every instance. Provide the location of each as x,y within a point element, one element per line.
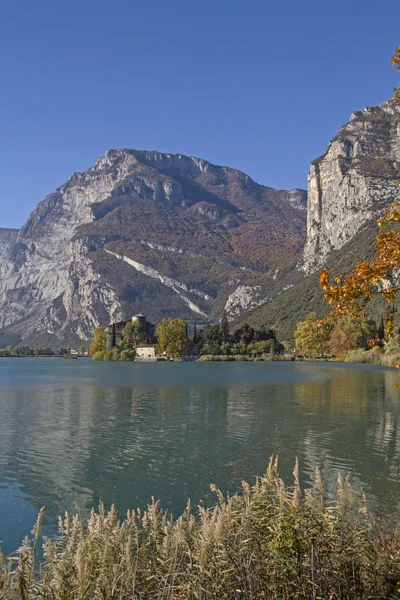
<point>224,328</point>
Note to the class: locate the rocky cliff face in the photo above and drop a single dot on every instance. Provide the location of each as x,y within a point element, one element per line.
<point>349,186</point>
<point>7,238</point>
<point>352,182</point>
<point>165,234</point>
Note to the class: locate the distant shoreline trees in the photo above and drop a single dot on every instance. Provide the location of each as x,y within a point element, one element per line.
<point>214,339</point>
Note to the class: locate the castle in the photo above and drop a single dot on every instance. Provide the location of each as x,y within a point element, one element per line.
<point>115,330</point>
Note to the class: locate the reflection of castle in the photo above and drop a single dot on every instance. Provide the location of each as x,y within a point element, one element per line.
<point>115,330</point>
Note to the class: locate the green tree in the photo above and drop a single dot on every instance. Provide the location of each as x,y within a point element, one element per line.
<point>264,334</point>
<point>224,335</point>
<point>133,335</point>
<point>127,355</point>
<point>226,348</point>
<point>172,336</point>
<point>244,335</point>
<point>263,347</point>
<point>351,332</point>
<point>312,335</point>
<point>209,338</point>
<point>99,343</point>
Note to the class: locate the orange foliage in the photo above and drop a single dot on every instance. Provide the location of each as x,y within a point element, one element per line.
<point>368,278</point>
<point>396,62</point>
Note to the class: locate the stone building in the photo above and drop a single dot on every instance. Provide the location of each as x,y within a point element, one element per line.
<point>146,352</point>
<point>115,330</point>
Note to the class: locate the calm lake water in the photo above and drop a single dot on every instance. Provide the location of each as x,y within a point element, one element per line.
<point>75,432</point>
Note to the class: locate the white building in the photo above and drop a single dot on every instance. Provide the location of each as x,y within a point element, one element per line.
<point>146,352</point>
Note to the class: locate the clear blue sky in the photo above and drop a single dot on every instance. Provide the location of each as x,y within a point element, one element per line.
<point>259,85</point>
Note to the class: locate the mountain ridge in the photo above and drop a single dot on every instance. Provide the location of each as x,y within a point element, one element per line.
<point>181,226</point>
<point>172,235</point>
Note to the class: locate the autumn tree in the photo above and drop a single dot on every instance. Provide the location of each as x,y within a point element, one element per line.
<point>99,343</point>
<point>396,62</point>
<point>379,276</point>
<point>351,332</point>
<point>172,336</point>
<point>312,335</point>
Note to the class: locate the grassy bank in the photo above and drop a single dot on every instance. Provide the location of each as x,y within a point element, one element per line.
<point>245,357</point>
<point>388,356</point>
<point>268,542</point>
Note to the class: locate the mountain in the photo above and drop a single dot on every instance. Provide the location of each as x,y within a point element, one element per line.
<point>164,234</point>
<point>172,235</point>
<point>348,187</point>
<point>7,238</point>
<point>353,181</point>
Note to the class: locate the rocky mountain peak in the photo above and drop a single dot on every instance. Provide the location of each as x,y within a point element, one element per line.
<point>165,234</point>
<point>353,181</point>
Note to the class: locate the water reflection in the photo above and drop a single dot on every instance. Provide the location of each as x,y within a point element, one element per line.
<point>70,436</point>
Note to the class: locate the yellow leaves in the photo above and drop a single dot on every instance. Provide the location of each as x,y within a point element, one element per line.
<point>396,62</point>
<point>396,58</point>
<point>369,278</point>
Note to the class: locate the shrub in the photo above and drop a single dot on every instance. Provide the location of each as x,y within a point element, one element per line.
<point>268,542</point>
<point>216,358</point>
<point>359,356</point>
<point>127,355</point>
<point>390,360</point>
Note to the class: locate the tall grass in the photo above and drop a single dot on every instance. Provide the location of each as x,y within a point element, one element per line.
<point>268,542</point>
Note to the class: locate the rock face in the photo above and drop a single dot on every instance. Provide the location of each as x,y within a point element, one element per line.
<point>349,186</point>
<point>7,238</point>
<point>352,182</point>
<point>164,234</point>
<point>172,235</point>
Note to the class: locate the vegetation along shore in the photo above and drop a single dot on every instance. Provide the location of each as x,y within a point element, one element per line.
<point>269,541</point>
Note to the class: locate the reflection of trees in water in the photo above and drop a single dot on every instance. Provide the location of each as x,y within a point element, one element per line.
<point>360,411</point>
<point>124,444</point>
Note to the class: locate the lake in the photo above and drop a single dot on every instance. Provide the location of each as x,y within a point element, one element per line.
<point>73,433</point>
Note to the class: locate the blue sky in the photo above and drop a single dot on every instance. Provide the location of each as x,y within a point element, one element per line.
<point>258,85</point>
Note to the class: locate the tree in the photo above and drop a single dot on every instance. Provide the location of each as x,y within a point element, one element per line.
<point>263,334</point>
<point>396,62</point>
<point>270,346</point>
<point>351,332</point>
<point>99,343</point>
<point>379,276</point>
<point>209,338</point>
<point>195,338</point>
<point>172,336</point>
<point>133,335</point>
<point>127,355</point>
<point>244,334</point>
<point>312,335</point>
<point>224,328</point>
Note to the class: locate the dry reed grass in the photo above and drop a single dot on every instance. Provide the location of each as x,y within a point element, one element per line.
<point>268,542</point>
